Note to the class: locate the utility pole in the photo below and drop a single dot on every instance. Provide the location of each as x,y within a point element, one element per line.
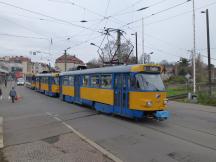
<point>118,43</point>
<point>136,48</point>
<point>194,49</point>
<point>143,52</point>
<point>209,51</point>
<point>65,59</point>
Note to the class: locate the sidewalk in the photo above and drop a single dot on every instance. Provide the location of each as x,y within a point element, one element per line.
<point>64,148</point>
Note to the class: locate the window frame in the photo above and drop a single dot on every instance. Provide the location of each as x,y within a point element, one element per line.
<point>69,80</point>
<point>64,79</point>
<point>99,78</point>
<point>111,81</point>
<point>88,80</point>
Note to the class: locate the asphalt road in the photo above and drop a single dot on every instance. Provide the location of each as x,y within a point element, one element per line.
<point>188,136</point>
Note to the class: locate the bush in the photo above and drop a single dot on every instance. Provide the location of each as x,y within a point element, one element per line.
<point>177,80</point>
<point>203,98</point>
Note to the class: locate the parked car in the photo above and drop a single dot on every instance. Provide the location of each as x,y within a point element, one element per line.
<point>20,81</point>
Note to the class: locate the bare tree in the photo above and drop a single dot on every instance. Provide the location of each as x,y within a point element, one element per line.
<point>125,54</point>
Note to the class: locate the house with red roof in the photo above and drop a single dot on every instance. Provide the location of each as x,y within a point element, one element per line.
<point>71,62</point>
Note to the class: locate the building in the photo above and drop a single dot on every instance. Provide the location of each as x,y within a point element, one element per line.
<point>24,61</point>
<point>3,71</point>
<point>38,67</point>
<point>169,70</point>
<point>24,65</point>
<point>71,62</point>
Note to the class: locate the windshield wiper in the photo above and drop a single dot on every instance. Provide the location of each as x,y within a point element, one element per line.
<point>153,86</point>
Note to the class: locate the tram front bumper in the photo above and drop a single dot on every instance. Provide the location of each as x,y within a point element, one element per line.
<point>162,115</point>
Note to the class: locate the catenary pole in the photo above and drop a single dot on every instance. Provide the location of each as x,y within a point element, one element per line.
<point>194,48</point>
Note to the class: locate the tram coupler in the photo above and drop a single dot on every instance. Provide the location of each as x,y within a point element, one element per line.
<point>161,115</point>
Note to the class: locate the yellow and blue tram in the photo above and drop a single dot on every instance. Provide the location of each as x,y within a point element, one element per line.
<point>48,84</point>
<point>30,81</point>
<point>134,91</point>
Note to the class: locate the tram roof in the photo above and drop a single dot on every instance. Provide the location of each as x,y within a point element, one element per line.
<point>47,74</point>
<point>111,69</point>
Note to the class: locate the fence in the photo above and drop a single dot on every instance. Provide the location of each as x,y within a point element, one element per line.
<point>178,89</point>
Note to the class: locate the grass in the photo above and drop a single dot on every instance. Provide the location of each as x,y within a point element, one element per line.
<point>203,98</point>
<point>176,91</point>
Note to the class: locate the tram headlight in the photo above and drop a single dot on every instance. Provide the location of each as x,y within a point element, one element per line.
<point>165,101</point>
<point>149,104</point>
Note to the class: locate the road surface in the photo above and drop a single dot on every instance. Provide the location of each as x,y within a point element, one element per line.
<point>188,136</point>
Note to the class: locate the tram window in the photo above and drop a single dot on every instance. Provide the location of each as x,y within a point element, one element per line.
<point>56,80</point>
<point>46,80</point>
<point>133,83</point>
<point>149,82</point>
<point>106,81</point>
<point>85,80</point>
<point>95,81</point>
<point>65,80</point>
<point>42,80</point>
<point>71,80</point>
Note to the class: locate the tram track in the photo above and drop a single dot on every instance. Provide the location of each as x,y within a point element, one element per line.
<point>198,130</point>
<point>181,137</point>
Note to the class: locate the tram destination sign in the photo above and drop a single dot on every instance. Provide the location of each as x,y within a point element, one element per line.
<point>152,69</point>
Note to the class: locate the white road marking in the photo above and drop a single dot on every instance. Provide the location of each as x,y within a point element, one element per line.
<point>92,143</point>
<point>1,133</point>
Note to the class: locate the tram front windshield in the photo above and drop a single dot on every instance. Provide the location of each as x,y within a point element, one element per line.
<point>149,82</point>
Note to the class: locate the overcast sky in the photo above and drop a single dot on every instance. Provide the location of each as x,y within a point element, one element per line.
<point>169,33</point>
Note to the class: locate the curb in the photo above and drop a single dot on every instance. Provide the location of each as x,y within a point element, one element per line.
<point>95,145</point>
<point>1,132</point>
<point>87,140</point>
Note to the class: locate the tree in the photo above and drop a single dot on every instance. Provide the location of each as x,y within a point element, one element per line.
<point>183,66</point>
<point>201,69</point>
<point>110,53</point>
<point>94,63</point>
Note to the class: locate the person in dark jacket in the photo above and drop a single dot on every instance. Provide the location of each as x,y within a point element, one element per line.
<point>0,93</point>
<point>5,82</point>
<point>13,94</point>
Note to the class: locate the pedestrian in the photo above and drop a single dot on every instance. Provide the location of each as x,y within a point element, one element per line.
<point>13,94</point>
<point>0,93</point>
<point>5,82</point>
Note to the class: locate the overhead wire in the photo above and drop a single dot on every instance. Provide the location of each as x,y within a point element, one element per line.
<point>21,36</point>
<point>159,12</point>
<point>117,21</point>
<point>148,6</point>
<point>181,14</point>
<point>44,15</point>
<point>132,5</point>
<point>21,26</point>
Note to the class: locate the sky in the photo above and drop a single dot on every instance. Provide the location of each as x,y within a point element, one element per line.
<point>51,26</point>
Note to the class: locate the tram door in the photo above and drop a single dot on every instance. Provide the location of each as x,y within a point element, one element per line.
<point>121,92</point>
<point>77,82</point>
<point>40,79</point>
<point>50,83</point>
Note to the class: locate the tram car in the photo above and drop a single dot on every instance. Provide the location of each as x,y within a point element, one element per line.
<point>48,83</point>
<point>134,91</point>
<point>30,81</point>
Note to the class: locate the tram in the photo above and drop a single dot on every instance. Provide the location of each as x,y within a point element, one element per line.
<point>133,91</point>
<point>48,84</point>
<point>30,81</point>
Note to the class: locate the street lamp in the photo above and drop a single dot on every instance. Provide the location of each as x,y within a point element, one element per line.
<point>102,57</point>
<point>136,47</point>
<point>83,21</point>
<point>65,58</point>
<point>209,51</point>
<point>141,9</point>
<point>146,57</point>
